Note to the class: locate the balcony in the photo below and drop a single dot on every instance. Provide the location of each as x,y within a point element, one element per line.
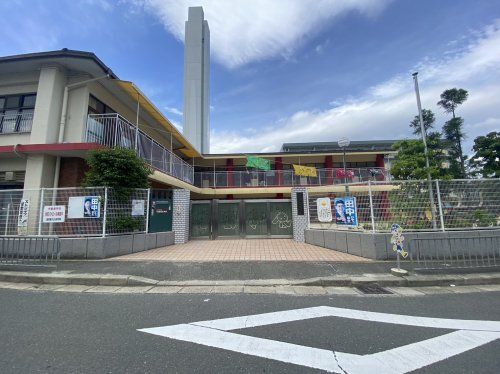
<point>286,178</point>
<point>16,123</point>
<point>112,130</point>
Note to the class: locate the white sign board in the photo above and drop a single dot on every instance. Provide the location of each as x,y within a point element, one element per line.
<point>137,207</point>
<point>24,210</point>
<point>54,213</point>
<point>324,209</point>
<point>84,207</point>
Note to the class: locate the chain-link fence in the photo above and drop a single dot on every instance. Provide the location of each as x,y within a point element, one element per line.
<point>419,205</point>
<point>73,212</point>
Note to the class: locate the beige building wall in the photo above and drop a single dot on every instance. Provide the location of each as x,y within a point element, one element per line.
<point>13,84</point>
<point>12,164</point>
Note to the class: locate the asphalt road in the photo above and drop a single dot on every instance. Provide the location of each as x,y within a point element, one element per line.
<point>56,332</point>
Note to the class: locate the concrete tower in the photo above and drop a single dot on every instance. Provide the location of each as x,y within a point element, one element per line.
<point>197,80</point>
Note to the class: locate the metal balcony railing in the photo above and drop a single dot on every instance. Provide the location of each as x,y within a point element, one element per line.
<point>287,178</point>
<point>112,130</point>
<point>16,122</point>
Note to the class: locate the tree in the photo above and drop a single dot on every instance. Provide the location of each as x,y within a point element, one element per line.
<point>410,162</point>
<point>453,134</point>
<point>118,168</point>
<point>123,171</point>
<point>452,98</point>
<point>452,130</point>
<point>428,119</point>
<point>486,160</point>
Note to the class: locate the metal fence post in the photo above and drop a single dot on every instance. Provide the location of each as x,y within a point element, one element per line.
<point>105,213</point>
<point>440,205</point>
<point>147,211</point>
<point>372,215</point>
<point>40,212</point>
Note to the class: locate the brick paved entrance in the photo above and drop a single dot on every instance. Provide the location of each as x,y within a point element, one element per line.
<point>241,250</point>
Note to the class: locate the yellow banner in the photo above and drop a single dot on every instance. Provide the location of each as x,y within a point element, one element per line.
<point>306,171</point>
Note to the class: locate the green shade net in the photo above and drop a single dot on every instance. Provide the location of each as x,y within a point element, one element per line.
<point>258,163</point>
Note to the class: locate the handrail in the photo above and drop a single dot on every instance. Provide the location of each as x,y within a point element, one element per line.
<point>112,130</point>
<point>16,123</point>
<point>287,178</point>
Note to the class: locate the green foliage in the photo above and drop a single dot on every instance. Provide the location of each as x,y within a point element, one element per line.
<point>452,98</point>
<point>428,119</point>
<point>486,160</point>
<point>454,135</point>
<point>118,168</point>
<point>452,129</point>
<point>410,163</point>
<point>124,224</point>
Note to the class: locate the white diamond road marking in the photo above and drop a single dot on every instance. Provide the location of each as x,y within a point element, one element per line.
<point>469,334</point>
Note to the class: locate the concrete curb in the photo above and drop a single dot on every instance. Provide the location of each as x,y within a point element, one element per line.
<point>386,280</point>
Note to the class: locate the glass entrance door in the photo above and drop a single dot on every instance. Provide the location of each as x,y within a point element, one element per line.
<point>255,218</point>
<point>228,217</point>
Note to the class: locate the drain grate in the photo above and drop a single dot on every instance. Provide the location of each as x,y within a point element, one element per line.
<point>373,289</point>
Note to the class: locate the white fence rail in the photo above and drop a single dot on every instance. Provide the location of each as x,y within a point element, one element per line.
<point>459,204</point>
<point>73,212</point>
<point>112,130</point>
<point>16,122</point>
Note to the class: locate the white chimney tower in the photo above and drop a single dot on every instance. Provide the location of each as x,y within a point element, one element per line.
<point>196,126</point>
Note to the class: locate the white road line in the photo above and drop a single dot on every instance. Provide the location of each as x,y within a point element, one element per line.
<point>470,334</point>
<point>416,355</point>
<point>271,349</point>
<point>255,320</point>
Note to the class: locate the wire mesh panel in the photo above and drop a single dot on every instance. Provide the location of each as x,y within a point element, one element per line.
<point>19,212</point>
<point>470,203</point>
<point>420,205</point>
<point>126,211</point>
<point>72,211</point>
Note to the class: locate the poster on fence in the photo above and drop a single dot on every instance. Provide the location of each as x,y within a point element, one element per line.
<point>54,213</point>
<point>137,207</point>
<point>24,210</point>
<point>324,209</point>
<point>84,207</point>
<point>346,213</point>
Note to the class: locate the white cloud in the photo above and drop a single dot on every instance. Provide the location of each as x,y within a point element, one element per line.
<point>244,31</point>
<point>173,110</point>
<point>386,109</point>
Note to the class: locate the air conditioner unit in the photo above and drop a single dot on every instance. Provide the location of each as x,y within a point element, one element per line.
<point>205,183</point>
<point>9,175</point>
<point>303,181</point>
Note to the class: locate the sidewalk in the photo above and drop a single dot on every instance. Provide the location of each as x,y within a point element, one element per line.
<point>228,250</point>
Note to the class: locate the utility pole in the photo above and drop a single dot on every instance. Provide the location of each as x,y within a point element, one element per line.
<point>426,152</point>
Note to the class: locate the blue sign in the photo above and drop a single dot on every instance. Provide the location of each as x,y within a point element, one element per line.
<point>346,212</point>
<point>91,207</point>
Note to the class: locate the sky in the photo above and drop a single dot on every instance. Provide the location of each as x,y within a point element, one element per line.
<point>287,70</point>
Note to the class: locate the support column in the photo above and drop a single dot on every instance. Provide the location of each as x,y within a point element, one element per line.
<point>180,222</point>
<point>329,166</point>
<point>230,172</point>
<point>300,213</point>
<point>278,166</point>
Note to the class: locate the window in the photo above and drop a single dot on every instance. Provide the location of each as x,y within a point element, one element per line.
<point>16,113</point>
<point>96,106</point>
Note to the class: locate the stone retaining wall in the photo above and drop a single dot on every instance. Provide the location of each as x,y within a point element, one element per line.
<point>378,246</point>
<point>111,246</point>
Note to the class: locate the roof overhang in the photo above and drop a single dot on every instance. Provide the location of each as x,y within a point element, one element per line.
<point>145,104</point>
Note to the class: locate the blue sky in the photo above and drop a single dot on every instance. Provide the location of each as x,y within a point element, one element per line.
<point>287,70</point>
